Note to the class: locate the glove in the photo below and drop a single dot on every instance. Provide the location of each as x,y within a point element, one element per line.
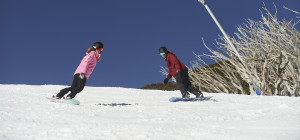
<point>81,76</point>
<point>166,81</point>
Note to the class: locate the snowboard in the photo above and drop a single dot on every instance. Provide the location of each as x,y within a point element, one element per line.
<point>179,99</point>
<point>69,101</point>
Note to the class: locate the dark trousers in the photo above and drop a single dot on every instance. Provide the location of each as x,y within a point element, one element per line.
<point>184,85</point>
<point>77,86</point>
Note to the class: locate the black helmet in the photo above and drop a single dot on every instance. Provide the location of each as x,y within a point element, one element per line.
<point>163,49</point>
<point>98,45</point>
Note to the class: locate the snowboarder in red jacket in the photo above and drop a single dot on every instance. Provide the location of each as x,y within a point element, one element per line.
<point>180,72</point>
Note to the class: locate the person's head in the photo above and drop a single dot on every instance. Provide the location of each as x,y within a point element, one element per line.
<point>163,51</point>
<point>97,47</point>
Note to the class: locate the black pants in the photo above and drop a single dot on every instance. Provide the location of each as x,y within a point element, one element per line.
<point>184,84</point>
<point>77,86</point>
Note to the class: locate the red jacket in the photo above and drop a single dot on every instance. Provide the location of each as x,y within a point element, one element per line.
<point>174,65</point>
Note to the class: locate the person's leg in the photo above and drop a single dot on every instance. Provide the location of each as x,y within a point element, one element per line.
<point>189,86</point>
<point>195,91</point>
<point>181,85</point>
<point>64,91</point>
<point>80,83</point>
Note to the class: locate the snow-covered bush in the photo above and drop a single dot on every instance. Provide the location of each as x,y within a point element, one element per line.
<point>160,86</point>
<point>270,50</point>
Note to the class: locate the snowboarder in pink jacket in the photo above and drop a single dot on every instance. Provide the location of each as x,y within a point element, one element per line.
<point>83,71</point>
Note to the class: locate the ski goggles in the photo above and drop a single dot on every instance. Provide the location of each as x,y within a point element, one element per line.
<point>100,49</point>
<point>163,53</point>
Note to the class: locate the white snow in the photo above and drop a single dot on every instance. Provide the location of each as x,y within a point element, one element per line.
<point>26,114</point>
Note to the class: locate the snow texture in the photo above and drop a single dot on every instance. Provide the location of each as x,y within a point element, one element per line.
<point>111,113</point>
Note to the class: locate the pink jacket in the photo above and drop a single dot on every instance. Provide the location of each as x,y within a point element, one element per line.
<point>88,64</point>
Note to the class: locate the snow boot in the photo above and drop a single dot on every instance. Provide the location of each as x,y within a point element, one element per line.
<point>185,95</point>
<point>199,95</point>
<point>55,97</point>
<point>66,98</point>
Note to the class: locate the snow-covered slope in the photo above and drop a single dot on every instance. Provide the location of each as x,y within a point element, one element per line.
<point>25,113</point>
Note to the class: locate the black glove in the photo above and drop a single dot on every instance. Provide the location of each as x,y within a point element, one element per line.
<point>81,76</point>
<point>166,81</point>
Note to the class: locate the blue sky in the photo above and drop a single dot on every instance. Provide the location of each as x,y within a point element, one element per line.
<point>43,42</point>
